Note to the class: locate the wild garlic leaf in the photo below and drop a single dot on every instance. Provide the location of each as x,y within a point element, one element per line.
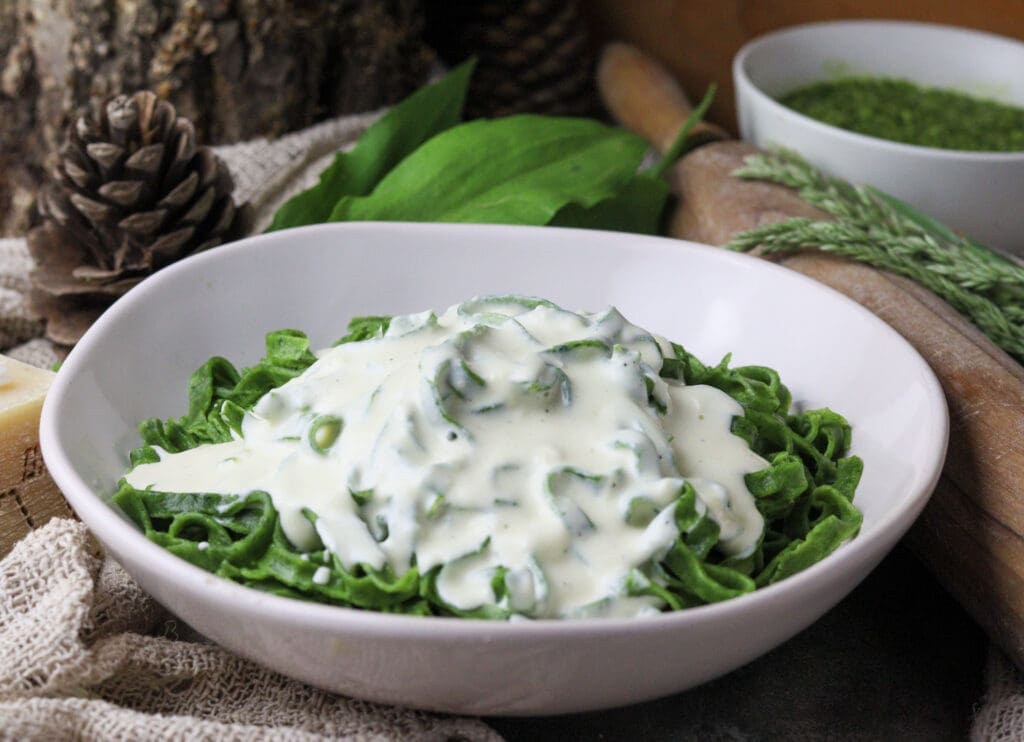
<point>636,207</point>
<point>640,204</point>
<point>515,170</point>
<point>425,113</point>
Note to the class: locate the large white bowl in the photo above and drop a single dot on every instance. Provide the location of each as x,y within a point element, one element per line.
<point>136,360</point>
<point>977,193</point>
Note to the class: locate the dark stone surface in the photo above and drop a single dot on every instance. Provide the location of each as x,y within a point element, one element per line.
<point>897,659</point>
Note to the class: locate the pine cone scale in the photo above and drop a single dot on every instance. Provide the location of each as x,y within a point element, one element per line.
<point>122,192</point>
<point>131,261</point>
<point>75,159</point>
<point>96,212</point>
<point>78,175</point>
<point>146,162</point>
<point>122,118</point>
<point>53,205</point>
<point>201,208</point>
<point>181,194</point>
<point>227,216</point>
<point>94,275</point>
<point>107,156</point>
<point>207,168</point>
<point>184,148</point>
<point>171,244</point>
<point>162,119</point>
<point>143,226</point>
<point>66,328</point>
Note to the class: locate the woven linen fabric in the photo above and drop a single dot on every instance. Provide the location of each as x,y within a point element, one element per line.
<point>1000,717</point>
<point>81,657</point>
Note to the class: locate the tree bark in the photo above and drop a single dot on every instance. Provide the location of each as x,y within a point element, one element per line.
<point>237,68</point>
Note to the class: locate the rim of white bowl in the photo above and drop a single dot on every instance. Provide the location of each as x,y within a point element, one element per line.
<point>743,79</point>
<point>101,516</point>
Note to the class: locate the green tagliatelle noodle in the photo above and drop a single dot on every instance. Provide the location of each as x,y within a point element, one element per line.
<point>805,495</point>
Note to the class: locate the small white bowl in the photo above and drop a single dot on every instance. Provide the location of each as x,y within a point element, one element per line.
<point>977,193</point>
<point>136,360</point>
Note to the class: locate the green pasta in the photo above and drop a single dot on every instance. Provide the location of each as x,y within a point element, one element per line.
<point>805,495</point>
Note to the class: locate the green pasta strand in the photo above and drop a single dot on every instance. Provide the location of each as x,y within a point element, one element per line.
<point>805,494</point>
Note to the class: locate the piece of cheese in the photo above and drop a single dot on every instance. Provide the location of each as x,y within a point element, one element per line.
<point>28,496</point>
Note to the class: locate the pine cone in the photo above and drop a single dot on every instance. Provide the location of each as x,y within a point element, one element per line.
<point>132,193</point>
<point>533,56</point>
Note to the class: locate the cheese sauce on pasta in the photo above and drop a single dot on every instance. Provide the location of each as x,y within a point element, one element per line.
<point>506,437</point>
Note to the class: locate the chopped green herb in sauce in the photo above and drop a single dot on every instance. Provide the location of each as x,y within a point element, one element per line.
<point>903,111</point>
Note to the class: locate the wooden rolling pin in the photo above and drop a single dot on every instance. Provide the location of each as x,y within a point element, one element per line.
<point>970,534</point>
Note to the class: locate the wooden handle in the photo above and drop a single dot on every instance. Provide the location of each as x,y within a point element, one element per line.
<point>645,98</point>
<point>970,535</point>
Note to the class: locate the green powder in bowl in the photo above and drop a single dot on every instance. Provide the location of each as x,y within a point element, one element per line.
<point>903,111</point>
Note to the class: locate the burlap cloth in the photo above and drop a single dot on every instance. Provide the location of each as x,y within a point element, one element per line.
<point>85,654</point>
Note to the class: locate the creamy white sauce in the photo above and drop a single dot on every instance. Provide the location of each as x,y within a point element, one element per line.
<point>476,440</point>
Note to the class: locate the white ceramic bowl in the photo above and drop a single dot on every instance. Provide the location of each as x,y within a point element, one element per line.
<point>977,193</point>
<point>136,360</point>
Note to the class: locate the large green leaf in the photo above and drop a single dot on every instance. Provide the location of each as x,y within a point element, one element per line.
<point>637,207</point>
<point>427,112</point>
<point>514,170</point>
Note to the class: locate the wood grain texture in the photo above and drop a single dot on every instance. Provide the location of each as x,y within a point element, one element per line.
<point>971,535</point>
<point>978,559</point>
<point>704,178</point>
<point>647,98</point>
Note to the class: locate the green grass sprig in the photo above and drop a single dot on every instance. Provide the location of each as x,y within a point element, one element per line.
<point>872,227</point>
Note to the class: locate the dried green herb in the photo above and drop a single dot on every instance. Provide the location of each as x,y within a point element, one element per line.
<point>875,228</point>
<point>903,111</point>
